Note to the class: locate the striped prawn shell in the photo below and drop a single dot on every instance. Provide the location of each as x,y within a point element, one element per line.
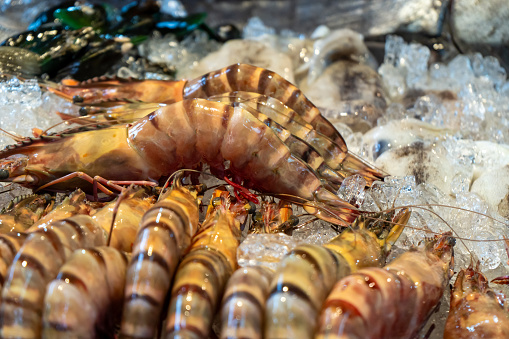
<point>202,276</point>
<point>244,302</point>
<point>166,230</point>
<point>85,299</point>
<point>248,78</point>
<point>307,274</point>
<point>395,301</point>
<point>10,243</point>
<point>328,158</point>
<point>35,265</point>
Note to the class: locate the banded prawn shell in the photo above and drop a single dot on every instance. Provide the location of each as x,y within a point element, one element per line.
<point>85,299</point>
<point>165,232</point>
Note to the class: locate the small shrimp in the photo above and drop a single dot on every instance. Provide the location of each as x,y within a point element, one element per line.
<point>204,271</point>
<point>71,205</point>
<point>165,232</point>
<point>10,243</point>
<point>476,310</point>
<point>22,212</point>
<point>182,135</point>
<point>307,274</point>
<point>85,298</point>
<point>274,218</point>
<point>238,77</point>
<point>393,302</point>
<point>245,293</point>
<point>35,264</point>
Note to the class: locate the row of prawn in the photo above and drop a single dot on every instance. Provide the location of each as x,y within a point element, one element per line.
<point>244,122</point>
<point>338,290</point>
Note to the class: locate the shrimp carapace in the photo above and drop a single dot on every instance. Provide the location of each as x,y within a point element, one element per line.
<point>182,135</point>
<point>395,301</point>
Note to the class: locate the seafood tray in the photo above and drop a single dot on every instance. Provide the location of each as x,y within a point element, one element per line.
<point>169,173</point>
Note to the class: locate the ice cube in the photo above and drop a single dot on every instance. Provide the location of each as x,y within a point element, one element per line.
<point>255,28</point>
<point>16,92</point>
<point>318,233</point>
<point>264,249</point>
<point>352,189</point>
<point>173,7</point>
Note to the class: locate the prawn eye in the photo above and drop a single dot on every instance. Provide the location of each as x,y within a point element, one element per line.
<point>83,111</point>
<point>4,174</point>
<point>77,99</point>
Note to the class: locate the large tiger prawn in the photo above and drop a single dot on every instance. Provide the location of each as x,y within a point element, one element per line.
<point>182,135</point>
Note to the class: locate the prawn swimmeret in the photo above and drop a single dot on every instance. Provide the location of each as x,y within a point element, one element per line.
<point>182,135</point>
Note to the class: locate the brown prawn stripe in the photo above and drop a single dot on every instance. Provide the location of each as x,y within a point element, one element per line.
<point>10,243</point>
<point>166,229</point>
<point>243,77</point>
<point>202,276</point>
<point>244,303</point>
<point>31,270</point>
<point>85,298</point>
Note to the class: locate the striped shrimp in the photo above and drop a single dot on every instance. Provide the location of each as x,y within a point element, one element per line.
<point>307,274</point>
<point>35,264</point>
<point>182,135</point>
<point>393,302</point>
<point>476,310</point>
<point>10,243</point>
<point>238,77</point>
<point>245,293</point>
<point>244,301</point>
<point>165,232</point>
<point>204,271</point>
<point>85,298</point>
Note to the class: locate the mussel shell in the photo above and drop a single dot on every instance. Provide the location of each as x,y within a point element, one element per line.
<point>19,61</point>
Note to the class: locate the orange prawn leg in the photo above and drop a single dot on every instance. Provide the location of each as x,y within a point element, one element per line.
<point>393,302</point>
<point>37,262</point>
<point>165,232</point>
<point>308,273</point>
<point>476,310</point>
<point>85,298</point>
<point>202,275</point>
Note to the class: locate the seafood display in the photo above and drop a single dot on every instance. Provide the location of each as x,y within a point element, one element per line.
<point>198,181</point>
